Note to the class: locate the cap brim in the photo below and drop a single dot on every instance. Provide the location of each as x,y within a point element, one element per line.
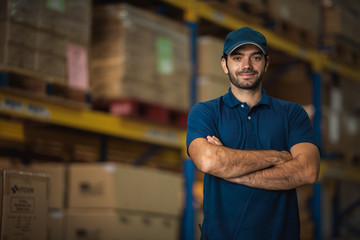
<point>245,44</point>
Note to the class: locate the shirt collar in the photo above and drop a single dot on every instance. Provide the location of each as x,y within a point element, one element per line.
<point>232,101</point>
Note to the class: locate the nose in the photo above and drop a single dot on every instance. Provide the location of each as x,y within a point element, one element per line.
<point>247,63</point>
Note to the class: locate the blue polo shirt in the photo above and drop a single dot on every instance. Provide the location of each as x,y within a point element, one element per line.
<point>233,211</point>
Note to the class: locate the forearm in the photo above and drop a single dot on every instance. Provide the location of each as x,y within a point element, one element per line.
<point>235,163</point>
<point>225,162</point>
<point>286,176</point>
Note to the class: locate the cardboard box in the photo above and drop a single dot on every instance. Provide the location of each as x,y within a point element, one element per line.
<point>343,23</point>
<point>115,225</point>
<point>56,225</point>
<point>302,14</point>
<point>121,186</point>
<point>159,191</point>
<point>294,85</point>
<point>209,87</point>
<point>210,52</point>
<point>56,173</point>
<point>24,205</point>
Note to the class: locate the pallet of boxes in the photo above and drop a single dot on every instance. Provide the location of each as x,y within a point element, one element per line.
<point>140,64</point>
<point>46,43</point>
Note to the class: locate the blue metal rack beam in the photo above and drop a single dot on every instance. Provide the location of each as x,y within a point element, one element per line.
<point>316,200</point>
<point>188,226</point>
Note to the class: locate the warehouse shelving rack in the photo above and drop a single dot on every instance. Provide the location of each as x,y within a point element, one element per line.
<point>193,10</point>
<point>84,119</point>
<point>94,121</point>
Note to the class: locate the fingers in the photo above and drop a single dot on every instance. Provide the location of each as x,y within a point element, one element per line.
<point>214,140</point>
<point>285,157</point>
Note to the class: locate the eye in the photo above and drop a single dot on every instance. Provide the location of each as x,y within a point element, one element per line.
<point>257,58</point>
<point>237,59</point>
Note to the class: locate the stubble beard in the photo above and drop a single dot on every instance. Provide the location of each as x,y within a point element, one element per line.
<point>238,84</point>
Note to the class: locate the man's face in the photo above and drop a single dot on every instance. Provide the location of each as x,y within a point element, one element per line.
<point>245,66</point>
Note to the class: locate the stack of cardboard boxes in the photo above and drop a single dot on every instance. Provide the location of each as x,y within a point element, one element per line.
<point>109,201</point>
<point>137,54</point>
<point>46,40</point>
<point>139,203</point>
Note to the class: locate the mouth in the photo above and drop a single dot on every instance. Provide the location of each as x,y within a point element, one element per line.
<point>247,74</point>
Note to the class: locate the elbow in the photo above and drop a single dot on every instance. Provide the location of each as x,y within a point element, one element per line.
<point>203,163</point>
<point>204,155</point>
<point>312,178</point>
<point>313,174</point>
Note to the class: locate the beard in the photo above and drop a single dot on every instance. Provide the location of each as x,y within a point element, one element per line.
<point>239,84</point>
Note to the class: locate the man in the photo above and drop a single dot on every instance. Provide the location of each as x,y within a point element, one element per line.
<point>254,150</point>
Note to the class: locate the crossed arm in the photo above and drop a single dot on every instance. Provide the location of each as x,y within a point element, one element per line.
<point>265,169</point>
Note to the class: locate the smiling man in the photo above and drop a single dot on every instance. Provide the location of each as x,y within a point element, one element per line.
<point>255,150</point>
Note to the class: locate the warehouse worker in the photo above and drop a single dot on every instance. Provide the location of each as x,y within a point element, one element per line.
<point>254,150</point>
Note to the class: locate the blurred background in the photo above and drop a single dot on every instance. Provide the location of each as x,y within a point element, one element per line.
<point>94,97</point>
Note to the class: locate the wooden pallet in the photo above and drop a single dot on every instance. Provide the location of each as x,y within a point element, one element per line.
<point>145,111</point>
<point>44,89</point>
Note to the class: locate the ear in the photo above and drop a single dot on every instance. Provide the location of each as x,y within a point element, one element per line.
<point>223,65</point>
<point>267,62</point>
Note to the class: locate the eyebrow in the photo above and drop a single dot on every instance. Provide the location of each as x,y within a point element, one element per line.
<point>241,54</point>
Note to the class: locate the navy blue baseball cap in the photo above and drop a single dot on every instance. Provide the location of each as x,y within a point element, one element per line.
<point>243,36</point>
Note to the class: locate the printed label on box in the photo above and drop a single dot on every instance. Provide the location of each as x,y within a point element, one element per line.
<point>164,53</point>
<point>22,205</point>
<point>77,67</point>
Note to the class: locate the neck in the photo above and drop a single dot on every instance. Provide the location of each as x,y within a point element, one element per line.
<point>250,96</point>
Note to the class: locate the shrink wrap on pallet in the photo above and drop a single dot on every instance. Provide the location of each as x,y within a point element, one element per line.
<point>137,54</point>
<point>37,39</point>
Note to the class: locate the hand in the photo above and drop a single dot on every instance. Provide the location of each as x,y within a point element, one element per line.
<point>214,140</point>
<point>284,156</point>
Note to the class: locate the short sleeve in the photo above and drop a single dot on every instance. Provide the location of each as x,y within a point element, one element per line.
<point>301,129</point>
<point>201,122</point>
